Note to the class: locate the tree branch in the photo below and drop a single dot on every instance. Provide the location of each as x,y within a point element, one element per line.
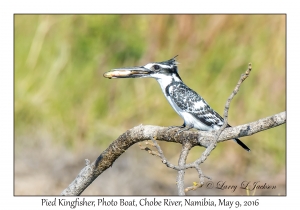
<point>181,163</point>
<point>140,133</point>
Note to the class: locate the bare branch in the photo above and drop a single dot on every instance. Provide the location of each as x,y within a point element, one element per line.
<point>227,105</point>
<point>234,92</point>
<point>162,156</point>
<point>181,163</point>
<point>140,133</point>
<point>150,151</point>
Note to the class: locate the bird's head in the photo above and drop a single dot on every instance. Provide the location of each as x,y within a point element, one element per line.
<point>157,70</point>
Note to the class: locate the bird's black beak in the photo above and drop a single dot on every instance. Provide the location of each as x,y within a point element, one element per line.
<point>128,72</point>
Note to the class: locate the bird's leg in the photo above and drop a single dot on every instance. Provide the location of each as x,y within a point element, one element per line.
<point>176,126</point>
<point>186,128</point>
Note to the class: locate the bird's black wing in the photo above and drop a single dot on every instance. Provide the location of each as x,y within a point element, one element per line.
<point>189,101</point>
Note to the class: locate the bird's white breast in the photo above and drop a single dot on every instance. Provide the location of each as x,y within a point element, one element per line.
<point>164,81</point>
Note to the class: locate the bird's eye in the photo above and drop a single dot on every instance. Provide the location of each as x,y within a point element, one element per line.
<point>156,67</point>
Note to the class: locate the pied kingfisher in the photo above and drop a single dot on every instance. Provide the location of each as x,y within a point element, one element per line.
<point>189,105</point>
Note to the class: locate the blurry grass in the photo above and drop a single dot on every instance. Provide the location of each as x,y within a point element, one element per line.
<point>60,60</point>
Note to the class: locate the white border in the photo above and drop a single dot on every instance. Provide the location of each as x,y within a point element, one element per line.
<point>8,8</point>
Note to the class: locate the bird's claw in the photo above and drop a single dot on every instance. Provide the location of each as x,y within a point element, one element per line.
<point>181,128</point>
<point>184,129</point>
<point>175,126</point>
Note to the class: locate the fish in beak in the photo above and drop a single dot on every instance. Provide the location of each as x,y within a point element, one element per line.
<point>128,72</point>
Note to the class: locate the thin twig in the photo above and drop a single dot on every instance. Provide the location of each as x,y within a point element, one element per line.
<point>201,180</point>
<point>150,151</point>
<point>227,105</point>
<point>234,92</point>
<point>162,156</point>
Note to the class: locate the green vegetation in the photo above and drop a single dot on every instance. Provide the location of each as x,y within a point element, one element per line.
<point>60,91</point>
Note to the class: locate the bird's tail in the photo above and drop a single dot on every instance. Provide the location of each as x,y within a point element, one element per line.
<point>242,144</point>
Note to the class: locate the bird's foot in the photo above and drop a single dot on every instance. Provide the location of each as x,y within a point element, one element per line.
<point>175,126</point>
<point>184,129</point>
<point>181,128</point>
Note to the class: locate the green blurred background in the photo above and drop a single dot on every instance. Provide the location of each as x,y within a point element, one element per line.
<point>66,111</point>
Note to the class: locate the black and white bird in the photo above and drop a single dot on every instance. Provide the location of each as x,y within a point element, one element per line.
<point>188,104</point>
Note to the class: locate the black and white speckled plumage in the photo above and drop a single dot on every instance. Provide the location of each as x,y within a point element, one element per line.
<point>189,101</point>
